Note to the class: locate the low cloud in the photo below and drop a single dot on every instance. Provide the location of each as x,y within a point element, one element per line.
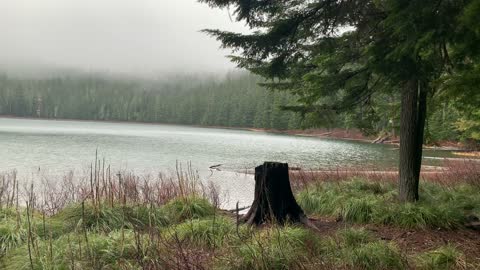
<point>140,37</point>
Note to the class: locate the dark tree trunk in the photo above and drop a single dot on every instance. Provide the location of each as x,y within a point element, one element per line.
<point>412,123</point>
<point>422,115</point>
<point>274,200</point>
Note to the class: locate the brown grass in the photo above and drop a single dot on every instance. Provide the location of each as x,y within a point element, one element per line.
<point>102,186</point>
<point>451,172</point>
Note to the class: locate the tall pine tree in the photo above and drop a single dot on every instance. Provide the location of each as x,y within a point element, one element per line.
<point>336,54</point>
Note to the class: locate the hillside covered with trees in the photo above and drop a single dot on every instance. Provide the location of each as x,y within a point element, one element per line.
<point>235,100</point>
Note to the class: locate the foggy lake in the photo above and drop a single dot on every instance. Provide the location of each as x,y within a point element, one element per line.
<point>63,145</point>
<point>56,147</point>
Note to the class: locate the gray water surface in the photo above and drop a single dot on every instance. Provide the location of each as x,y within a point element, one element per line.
<point>56,147</point>
<point>59,145</point>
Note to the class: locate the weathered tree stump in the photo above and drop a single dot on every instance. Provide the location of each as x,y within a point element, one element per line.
<point>274,200</point>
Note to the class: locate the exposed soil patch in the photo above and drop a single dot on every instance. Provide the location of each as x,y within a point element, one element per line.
<point>357,135</point>
<point>412,241</point>
<point>336,133</point>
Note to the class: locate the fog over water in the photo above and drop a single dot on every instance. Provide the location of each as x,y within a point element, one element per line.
<point>138,37</point>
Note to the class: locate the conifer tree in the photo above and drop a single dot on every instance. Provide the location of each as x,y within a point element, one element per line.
<point>335,55</point>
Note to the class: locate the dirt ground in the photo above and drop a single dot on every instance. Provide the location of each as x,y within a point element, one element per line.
<point>412,241</point>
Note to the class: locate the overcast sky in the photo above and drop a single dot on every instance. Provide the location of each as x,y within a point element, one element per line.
<point>128,36</point>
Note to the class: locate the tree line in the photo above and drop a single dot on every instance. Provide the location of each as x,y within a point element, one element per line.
<point>234,100</point>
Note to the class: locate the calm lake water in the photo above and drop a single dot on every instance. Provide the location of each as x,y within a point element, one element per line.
<point>57,147</point>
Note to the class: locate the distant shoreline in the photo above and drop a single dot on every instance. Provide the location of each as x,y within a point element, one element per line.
<point>319,133</point>
<point>122,122</point>
<point>335,133</point>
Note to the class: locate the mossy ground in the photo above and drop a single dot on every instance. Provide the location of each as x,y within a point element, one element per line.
<point>188,233</point>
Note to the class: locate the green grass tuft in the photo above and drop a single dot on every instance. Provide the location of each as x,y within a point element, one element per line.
<point>14,228</point>
<point>104,251</point>
<point>354,237</point>
<point>9,214</point>
<point>357,249</point>
<point>107,218</point>
<point>143,217</point>
<point>362,202</point>
<point>103,219</point>
<point>374,255</point>
<point>212,232</point>
<point>184,208</point>
<point>274,248</point>
<point>358,210</point>
<point>11,236</point>
<point>442,258</point>
<point>369,187</point>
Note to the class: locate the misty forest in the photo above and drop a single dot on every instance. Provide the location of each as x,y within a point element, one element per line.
<point>240,134</point>
<point>234,100</point>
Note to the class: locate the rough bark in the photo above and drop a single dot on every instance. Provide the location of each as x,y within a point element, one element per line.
<point>412,123</point>
<point>274,200</point>
<point>422,115</point>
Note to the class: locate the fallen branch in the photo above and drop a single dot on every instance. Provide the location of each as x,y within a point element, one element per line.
<point>238,209</point>
<point>215,167</point>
